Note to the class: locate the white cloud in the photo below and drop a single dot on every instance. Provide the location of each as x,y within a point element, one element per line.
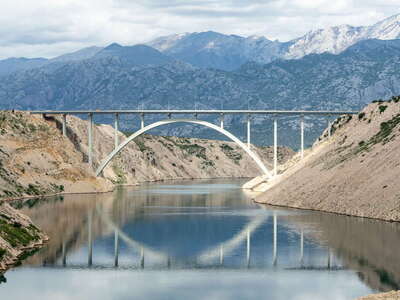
<point>49,28</point>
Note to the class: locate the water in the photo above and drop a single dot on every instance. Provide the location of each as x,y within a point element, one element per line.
<point>200,240</point>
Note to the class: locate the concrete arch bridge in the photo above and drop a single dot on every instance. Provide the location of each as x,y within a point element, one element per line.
<point>246,146</point>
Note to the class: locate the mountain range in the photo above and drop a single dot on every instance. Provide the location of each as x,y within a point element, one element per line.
<point>337,68</point>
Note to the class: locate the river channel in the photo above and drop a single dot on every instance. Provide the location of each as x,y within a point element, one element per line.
<point>200,240</point>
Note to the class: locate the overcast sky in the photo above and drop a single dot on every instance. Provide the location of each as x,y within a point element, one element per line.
<point>47,28</point>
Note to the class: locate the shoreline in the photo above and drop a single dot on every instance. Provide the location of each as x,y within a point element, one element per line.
<point>8,200</point>
<point>325,212</point>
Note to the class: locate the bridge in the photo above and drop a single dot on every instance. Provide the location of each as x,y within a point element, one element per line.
<point>193,120</point>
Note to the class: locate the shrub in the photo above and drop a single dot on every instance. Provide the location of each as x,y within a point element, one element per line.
<point>382,108</point>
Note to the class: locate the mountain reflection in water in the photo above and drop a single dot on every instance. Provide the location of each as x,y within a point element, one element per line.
<point>201,239</point>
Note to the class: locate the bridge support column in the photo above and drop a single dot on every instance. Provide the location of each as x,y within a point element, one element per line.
<point>141,120</point>
<point>221,255</point>
<point>90,240</point>
<point>302,136</point>
<point>222,121</point>
<point>329,258</point>
<point>64,125</point>
<point>248,248</point>
<point>275,146</point>
<point>329,127</point>
<point>142,258</point>
<point>116,128</point>
<point>90,138</point>
<point>248,131</point>
<point>275,240</point>
<point>301,247</point>
<point>116,248</point>
<point>64,254</point>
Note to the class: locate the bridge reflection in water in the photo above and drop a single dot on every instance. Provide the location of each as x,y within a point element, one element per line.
<point>210,258</point>
<point>208,226</point>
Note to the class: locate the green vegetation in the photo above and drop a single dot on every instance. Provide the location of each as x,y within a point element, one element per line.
<point>3,252</point>
<point>231,153</point>
<point>382,108</point>
<point>193,149</point>
<point>16,235</point>
<point>361,115</point>
<point>121,179</point>
<point>207,163</point>
<point>142,146</point>
<point>383,136</point>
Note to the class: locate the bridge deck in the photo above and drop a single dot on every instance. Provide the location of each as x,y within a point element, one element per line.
<point>191,111</point>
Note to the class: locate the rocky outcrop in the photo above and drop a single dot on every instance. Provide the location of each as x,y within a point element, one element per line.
<point>355,172</point>
<point>19,238</point>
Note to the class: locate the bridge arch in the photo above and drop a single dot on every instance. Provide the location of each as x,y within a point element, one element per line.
<point>253,155</point>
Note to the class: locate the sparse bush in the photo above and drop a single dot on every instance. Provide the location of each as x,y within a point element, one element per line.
<point>361,115</point>
<point>382,108</point>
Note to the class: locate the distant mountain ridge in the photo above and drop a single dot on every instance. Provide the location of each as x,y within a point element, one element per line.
<point>229,52</point>
<point>366,71</point>
<point>215,50</point>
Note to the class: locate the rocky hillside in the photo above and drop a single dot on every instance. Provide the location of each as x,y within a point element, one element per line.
<point>19,238</point>
<point>35,158</point>
<point>355,172</point>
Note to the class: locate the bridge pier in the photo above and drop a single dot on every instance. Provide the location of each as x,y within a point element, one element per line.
<point>222,121</point>
<point>116,248</point>
<point>275,146</point>
<point>302,136</point>
<point>329,258</point>
<point>116,126</point>
<point>301,247</point>
<point>141,120</point>
<point>90,140</point>
<point>248,130</point>
<point>64,254</point>
<point>221,255</point>
<point>64,125</point>
<point>329,127</point>
<point>248,248</point>
<point>142,258</point>
<point>90,240</point>
<point>275,241</point>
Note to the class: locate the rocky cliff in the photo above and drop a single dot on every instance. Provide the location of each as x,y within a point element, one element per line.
<point>355,172</point>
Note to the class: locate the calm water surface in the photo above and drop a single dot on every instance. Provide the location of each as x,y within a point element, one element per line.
<point>200,240</point>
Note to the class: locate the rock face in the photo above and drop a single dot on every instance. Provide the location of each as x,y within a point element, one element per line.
<point>35,159</point>
<point>19,238</point>
<point>355,172</point>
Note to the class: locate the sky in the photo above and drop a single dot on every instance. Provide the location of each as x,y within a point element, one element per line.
<point>47,28</point>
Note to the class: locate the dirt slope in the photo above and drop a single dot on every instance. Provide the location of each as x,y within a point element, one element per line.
<point>355,172</point>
